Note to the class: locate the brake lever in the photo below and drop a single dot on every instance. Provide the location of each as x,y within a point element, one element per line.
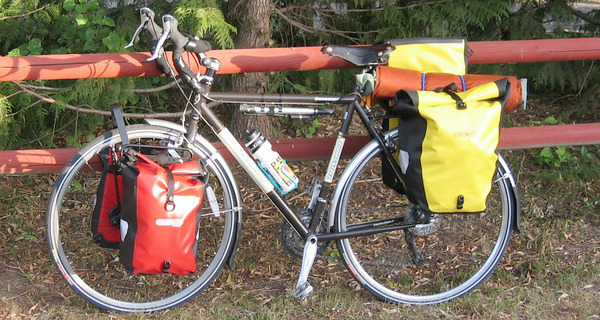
<point>167,28</point>
<point>146,14</point>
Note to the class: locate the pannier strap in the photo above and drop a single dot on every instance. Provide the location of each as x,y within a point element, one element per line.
<point>117,115</point>
<point>451,90</point>
<point>463,82</point>
<point>170,204</point>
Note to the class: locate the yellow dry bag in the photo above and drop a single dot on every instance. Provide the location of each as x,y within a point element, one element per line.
<point>430,55</point>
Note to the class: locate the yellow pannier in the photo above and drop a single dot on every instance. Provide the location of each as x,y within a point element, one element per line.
<point>448,145</point>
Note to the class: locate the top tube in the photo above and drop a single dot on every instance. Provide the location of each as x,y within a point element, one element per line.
<point>275,98</point>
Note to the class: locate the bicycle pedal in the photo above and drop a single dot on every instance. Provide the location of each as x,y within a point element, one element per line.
<point>303,291</point>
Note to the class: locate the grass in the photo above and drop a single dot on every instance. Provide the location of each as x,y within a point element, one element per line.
<point>551,270</point>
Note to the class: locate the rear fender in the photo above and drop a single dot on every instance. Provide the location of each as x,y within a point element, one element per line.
<point>515,192</point>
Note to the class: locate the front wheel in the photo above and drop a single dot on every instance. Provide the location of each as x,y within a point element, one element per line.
<point>428,264</point>
<point>94,272</point>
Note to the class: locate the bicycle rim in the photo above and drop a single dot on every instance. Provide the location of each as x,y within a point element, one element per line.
<point>96,273</point>
<point>459,251</point>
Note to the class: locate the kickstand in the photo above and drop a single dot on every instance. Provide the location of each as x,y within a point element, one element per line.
<point>417,257</point>
<point>303,288</point>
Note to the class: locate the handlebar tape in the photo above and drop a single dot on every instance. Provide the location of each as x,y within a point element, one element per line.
<point>181,43</point>
<point>184,43</point>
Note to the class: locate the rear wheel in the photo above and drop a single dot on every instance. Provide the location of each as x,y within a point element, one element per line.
<point>95,272</point>
<point>431,263</point>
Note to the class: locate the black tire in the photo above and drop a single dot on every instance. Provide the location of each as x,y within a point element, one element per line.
<point>95,272</point>
<point>459,251</point>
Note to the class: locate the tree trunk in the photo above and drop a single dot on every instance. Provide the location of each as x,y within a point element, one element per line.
<point>252,19</point>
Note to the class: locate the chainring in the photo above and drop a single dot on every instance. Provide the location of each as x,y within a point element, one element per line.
<point>291,240</point>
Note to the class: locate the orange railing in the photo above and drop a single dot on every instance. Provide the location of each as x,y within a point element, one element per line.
<point>54,67</point>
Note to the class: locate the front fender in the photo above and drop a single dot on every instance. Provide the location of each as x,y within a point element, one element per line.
<point>166,124</point>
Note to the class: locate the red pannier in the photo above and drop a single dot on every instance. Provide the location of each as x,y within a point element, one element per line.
<point>160,215</point>
<point>105,217</point>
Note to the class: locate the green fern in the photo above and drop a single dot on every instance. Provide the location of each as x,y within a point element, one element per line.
<point>284,82</point>
<point>327,80</point>
<point>203,16</point>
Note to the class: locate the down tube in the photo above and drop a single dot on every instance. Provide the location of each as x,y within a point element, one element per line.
<point>261,180</point>
<point>245,160</point>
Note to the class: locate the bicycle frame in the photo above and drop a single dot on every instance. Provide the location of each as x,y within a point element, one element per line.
<point>201,85</point>
<point>202,110</point>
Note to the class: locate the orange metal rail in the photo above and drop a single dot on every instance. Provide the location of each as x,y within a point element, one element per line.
<point>53,160</point>
<point>110,65</point>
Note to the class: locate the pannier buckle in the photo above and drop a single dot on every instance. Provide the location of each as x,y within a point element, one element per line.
<point>460,202</point>
<point>170,205</point>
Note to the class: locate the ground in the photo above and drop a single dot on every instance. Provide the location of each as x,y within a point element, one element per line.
<point>551,270</point>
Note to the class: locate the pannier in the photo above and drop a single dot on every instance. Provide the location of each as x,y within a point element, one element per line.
<point>447,154</point>
<point>147,205</point>
<point>430,55</point>
<point>105,217</point>
<point>448,147</point>
<point>427,64</point>
<point>159,215</point>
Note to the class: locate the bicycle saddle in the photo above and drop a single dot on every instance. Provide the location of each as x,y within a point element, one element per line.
<point>361,55</point>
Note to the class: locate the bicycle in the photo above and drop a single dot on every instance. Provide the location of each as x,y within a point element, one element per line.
<point>395,251</point>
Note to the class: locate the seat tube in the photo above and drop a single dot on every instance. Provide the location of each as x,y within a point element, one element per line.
<point>381,140</point>
<point>339,144</point>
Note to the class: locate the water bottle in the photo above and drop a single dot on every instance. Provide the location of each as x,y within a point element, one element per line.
<point>276,168</point>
